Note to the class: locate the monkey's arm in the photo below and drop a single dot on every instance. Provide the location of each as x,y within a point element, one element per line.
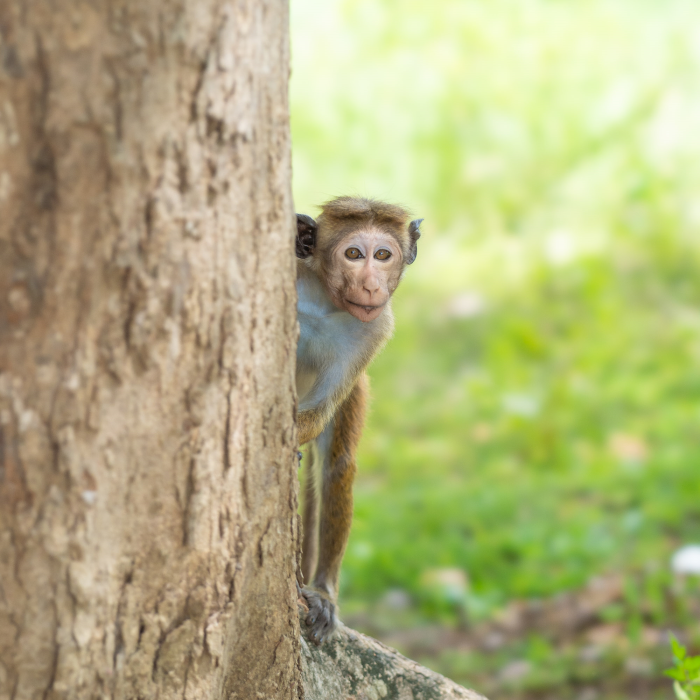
<point>336,509</point>
<point>311,422</point>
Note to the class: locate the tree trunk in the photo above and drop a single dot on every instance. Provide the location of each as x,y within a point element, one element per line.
<point>147,334</point>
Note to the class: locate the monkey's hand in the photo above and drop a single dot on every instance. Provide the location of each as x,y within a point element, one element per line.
<point>321,618</point>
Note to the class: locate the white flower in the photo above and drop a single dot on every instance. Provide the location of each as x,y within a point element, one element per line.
<point>686,560</point>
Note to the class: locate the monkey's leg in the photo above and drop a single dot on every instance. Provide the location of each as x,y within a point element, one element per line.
<point>336,509</point>
<point>309,549</point>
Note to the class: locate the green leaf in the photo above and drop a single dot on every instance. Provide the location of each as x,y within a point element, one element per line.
<point>680,693</point>
<point>692,663</point>
<point>678,649</point>
<point>675,673</point>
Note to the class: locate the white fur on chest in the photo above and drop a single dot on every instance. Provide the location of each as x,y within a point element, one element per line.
<point>332,344</point>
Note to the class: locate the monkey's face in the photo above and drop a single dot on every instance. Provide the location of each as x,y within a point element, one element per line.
<point>364,270</point>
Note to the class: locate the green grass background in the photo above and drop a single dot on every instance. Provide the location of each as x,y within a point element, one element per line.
<point>551,431</point>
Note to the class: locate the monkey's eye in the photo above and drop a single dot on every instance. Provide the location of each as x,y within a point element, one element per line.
<point>382,254</point>
<point>353,253</point>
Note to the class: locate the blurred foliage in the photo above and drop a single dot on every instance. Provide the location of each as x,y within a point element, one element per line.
<point>686,673</point>
<point>536,418</point>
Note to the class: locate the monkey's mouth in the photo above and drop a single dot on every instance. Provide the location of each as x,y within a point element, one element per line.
<point>365,307</point>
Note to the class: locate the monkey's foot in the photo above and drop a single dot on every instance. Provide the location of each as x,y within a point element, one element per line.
<point>321,618</point>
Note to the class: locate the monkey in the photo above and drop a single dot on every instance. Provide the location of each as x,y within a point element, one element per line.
<point>349,263</point>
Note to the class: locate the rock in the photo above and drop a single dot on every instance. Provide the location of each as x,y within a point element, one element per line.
<point>354,666</point>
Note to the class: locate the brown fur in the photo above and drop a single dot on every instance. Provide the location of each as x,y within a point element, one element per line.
<point>310,424</point>
<point>336,496</point>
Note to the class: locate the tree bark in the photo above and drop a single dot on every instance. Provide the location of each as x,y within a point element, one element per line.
<point>147,332</point>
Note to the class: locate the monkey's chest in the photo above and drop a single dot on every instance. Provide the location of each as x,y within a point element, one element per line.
<point>329,350</point>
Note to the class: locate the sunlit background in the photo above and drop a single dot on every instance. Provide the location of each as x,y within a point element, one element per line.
<point>531,462</point>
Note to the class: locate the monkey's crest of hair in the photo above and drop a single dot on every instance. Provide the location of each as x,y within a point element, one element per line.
<point>371,210</point>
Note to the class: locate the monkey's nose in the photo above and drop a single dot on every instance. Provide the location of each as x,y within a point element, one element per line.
<point>371,284</point>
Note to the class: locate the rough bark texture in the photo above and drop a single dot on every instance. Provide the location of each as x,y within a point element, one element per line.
<point>147,331</point>
<point>353,666</point>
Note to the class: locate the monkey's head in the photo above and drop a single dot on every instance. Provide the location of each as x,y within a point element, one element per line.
<point>359,249</point>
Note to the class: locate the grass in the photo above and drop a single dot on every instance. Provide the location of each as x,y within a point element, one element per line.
<point>562,438</point>
<point>536,418</point>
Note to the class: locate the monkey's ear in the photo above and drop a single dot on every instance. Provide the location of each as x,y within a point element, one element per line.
<point>306,235</point>
<point>414,235</point>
